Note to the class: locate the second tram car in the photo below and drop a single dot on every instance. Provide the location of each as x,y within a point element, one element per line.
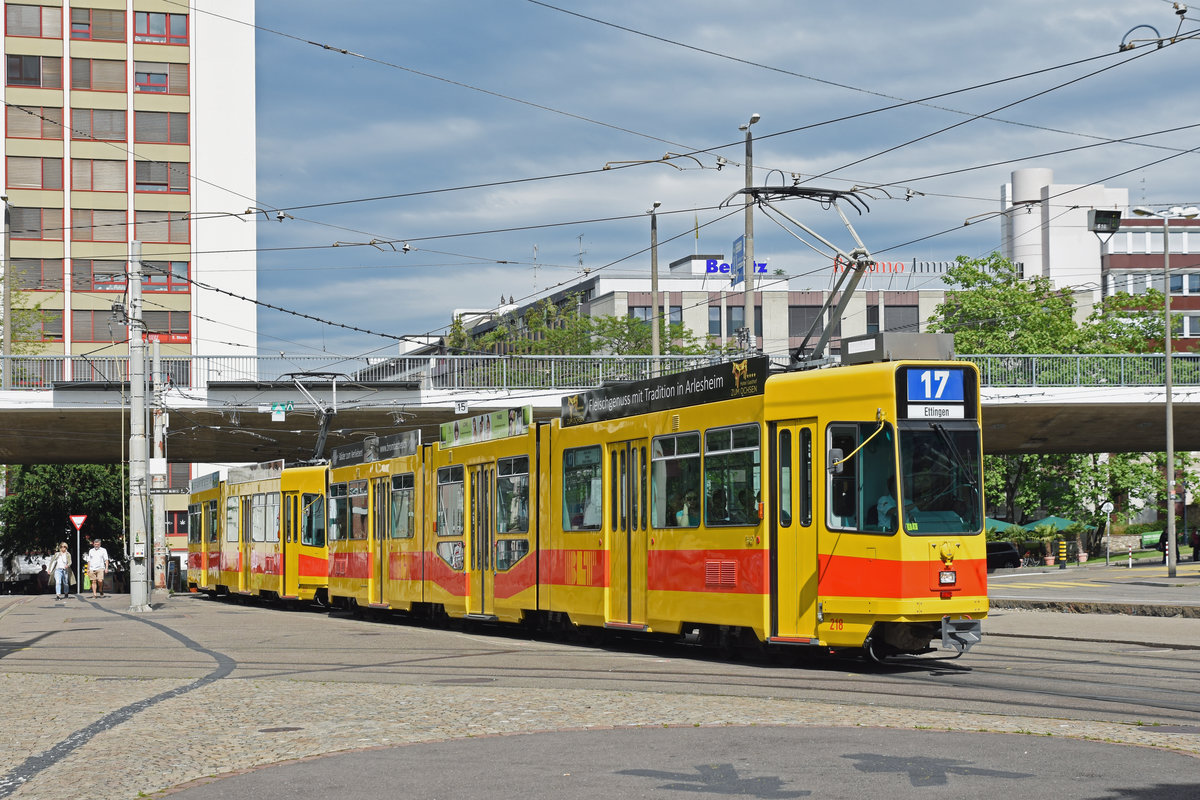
<point>272,541</point>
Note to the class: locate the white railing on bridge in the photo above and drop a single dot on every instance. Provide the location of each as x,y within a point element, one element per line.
<point>1085,370</point>
<point>553,372</point>
<point>424,372</point>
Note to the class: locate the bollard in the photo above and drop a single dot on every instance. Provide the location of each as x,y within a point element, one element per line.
<point>1062,555</point>
<point>1131,556</point>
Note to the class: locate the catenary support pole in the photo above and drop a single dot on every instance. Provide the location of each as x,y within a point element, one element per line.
<point>139,589</point>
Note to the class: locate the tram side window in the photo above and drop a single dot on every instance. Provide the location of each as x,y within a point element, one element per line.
<point>359,512</point>
<point>403,513</point>
<point>213,528</point>
<point>339,512</point>
<point>862,461</point>
<point>675,481</point>
<point>272,517</point>
<point>312,520</point>
<point>450,498</point>
<point>583,489</point>
<point>512,495</point>
<point>731,475</point>
<point>194,532</point>
<point>258,518</point>
<point>231,519</point>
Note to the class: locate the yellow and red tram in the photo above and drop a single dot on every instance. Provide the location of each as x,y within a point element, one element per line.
<point>273,542</point>
<point>376,538</point>
<point>204,532</point>
<point>837,508</point>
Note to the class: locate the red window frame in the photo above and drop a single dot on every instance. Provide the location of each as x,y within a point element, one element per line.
<point>43,322</point>
<point>119,332</point>
<point>8,73</point>
<point>42,185</point>
<point>174,120</point>
<point>40,112</point>
<point>41,22</point>
<point>166,280</point>
<point>169,335</point>
<point>79,113</point>
<point>173,169</point>
<point>15,228</point>
<point>87,232</point>
<point>83,33</point>
<point>91,78</point>
<point>91,165</point>
<point>141,28</point>
<point>169,217</point>
<point>23,278</point>
<point>89,282</point>
<point>147,86</point>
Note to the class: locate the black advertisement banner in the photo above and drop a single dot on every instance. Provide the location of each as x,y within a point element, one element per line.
<point>725,381</point>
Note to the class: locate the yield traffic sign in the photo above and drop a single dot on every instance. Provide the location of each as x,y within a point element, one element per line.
<point>77,521</point>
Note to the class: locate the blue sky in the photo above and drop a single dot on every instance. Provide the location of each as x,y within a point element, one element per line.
<point>496,94</point>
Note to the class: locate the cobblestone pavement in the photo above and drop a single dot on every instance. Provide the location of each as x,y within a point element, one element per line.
<point>80,735</point>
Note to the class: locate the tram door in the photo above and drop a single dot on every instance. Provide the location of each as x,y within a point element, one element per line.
<point>627,553</point>
<point>289,546</point>
<point>481,580</point>
<point>381,524</point>
<point>793,532</point>
<point>246,553</point>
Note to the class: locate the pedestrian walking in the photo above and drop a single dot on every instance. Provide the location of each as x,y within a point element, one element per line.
<point>1163,544</point>
<point>43,580</point>
<point>60,568</point>
<point>97,559</point>
<point>1195,544</point>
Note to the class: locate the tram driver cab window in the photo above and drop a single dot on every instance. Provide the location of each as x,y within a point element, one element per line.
<point>861,460</point>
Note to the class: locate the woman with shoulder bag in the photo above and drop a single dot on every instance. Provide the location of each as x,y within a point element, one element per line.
<point>60,569</point>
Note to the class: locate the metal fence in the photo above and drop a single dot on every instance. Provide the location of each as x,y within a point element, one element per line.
<point>425,372</point>
<point>1012,371</point>
<point>555,372</point>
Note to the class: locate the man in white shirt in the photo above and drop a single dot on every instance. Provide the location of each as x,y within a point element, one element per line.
<point>97,559</point>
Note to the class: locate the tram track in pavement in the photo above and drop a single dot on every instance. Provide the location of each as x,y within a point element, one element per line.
<point>1010,673</point>
<point>37,763</point>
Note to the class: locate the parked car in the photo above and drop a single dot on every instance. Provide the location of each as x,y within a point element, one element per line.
<point>1002,554</point>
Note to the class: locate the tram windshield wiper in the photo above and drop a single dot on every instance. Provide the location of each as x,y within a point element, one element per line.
<point>948,440</point>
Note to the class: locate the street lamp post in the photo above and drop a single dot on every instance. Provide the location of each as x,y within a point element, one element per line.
<point>748,286</point>
<point>1166,217</point>
<point>655,345</point>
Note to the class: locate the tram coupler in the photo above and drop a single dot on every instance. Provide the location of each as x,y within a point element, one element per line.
<point>961,634</point>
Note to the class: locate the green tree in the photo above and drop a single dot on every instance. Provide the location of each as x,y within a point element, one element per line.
<point>41,498</point>
<point>27,321</point>
<point>991,310</point>
<point>547,328</point>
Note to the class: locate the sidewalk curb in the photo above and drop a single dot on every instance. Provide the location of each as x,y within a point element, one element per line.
<point>1088,607</point>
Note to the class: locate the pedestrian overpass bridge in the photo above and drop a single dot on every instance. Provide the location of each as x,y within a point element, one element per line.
<point>244,408</point>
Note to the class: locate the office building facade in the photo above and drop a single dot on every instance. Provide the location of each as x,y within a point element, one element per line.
<point>130,120</point>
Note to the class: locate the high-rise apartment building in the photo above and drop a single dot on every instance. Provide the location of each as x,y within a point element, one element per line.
<point>131,120</point>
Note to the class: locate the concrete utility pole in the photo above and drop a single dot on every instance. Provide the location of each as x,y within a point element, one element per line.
<point>751,339</point>
<point>158,472</point>
<point>139,589</point>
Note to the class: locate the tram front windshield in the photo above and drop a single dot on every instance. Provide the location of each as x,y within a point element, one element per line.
<point>940,478</point>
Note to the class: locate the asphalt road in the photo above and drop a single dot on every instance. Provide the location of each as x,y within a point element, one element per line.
<point>1047,705</point>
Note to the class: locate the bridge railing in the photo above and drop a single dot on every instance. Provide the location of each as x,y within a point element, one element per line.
<point>555,372</point>
<point>1014,371</point>
<point>424,372</point>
